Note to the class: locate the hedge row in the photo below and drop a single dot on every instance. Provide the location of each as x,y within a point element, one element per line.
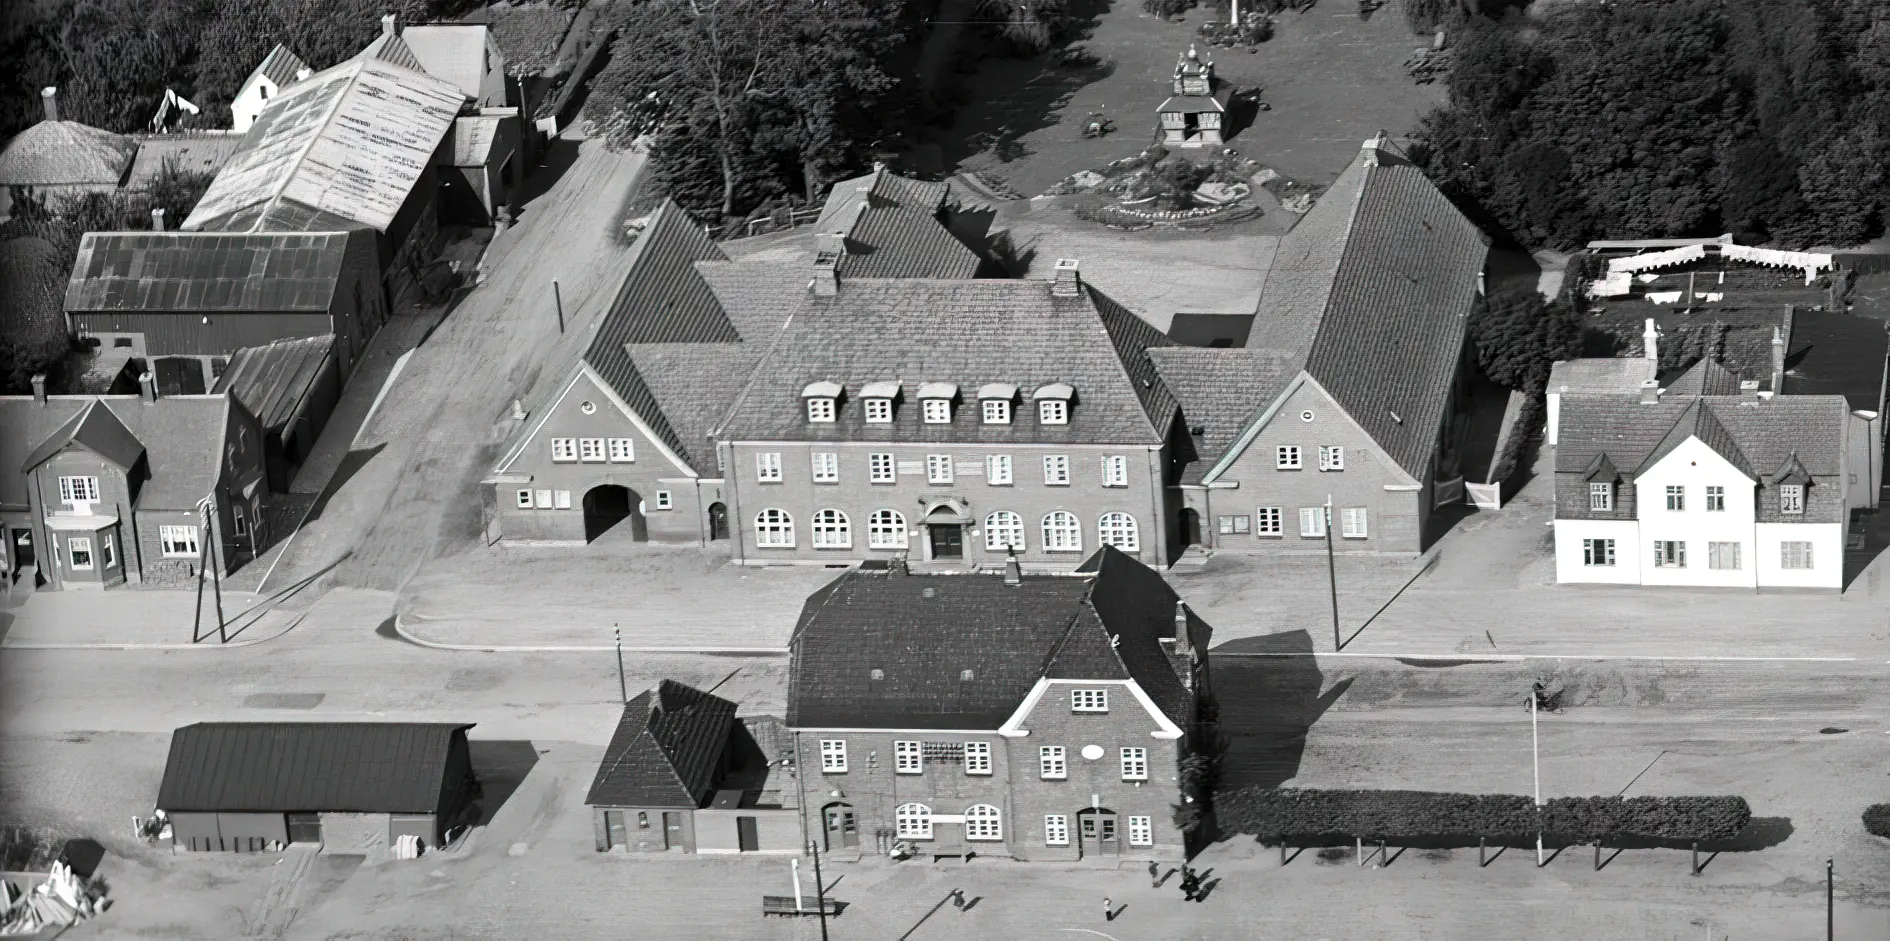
<point>1877,820</point>
<point>1277,815</point>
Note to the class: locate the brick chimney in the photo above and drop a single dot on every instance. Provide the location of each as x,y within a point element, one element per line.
<point>1650,341</point>
<point>1184,644</point>
<point>388,26</point>
<point>157,220</point>
<point>1068,281</point>
<point>147,386</point>
<point>1778,361</point>
<point>49,98</point>
<point>829,248</point>
<point>39,387</point>
<point>1650,392</point>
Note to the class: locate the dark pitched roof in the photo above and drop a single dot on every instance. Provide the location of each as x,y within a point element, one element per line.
<point>1219,391</point>
<point>665,750</point>
<point>1757,434</point>
<point>56,153</point>
<point>96,429</point>
<point>274,380</point>
<point>1698,421</point>
<point>192,271</point>
<point>182,437</point>
<point>1837,354</point>
<point>891,229</point>
<point>969,332</point>
<point>1007,636</point>
<point>692,384</point>
<point>1374,288</point>
<point>1705,377</point>
<point>308,767</point>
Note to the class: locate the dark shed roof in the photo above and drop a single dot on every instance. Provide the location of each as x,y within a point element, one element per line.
<point>308,767</point>
<point>273,380</point>
<point>1837,354</point>
<point>161,271</point>
<point>666,749</point>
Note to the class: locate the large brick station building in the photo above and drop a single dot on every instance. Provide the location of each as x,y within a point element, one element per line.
<point>1039,717</point>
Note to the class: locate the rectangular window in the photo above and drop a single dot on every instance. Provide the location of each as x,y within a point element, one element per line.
<point>1794,555</point>
<point>1135,764</point>
<point>997,470</point>
<point>1670,554</point>
<point>110,554</point>
<point>1235,525</point>
<point>1716,499</point>
<point>826,467</point>
<point>1331,458</point>
<point>1286,457</point>
<point>1056,470</point>
<point>997,412</point>
<point>908,758</point>
<point>1597,552</point>
<point>239,521</point>
<point>1050,763</point>
<point>543,498</point>
<point>1053,412</point>
<point>564,449</point>
<point>1089,700</point>
<point>1312,521</point>
<point>1352,518</point>
<point>1723,556</point>
<point>1676,498</point>
<point>79,550</point>
<point>1056,830</point>
<point>833,755</point>
<point>1141,831</point>
<point>177,542</point>
<point>663,500</point>
<point>524,499</point>
<point>1791,499</point>
<point>561,499</point>
<point>938,468</point>
<point>768,467</point>
<point>820,410</point>
<point>78,489</point>
<point>879,469</point>
<point>1601,497</point>
<point>1115,471</point>
<point>878,411</point>
<point>1269,521</point>
<point>977,757</point>
<point>622,451</point>
<point>591,450</point>
<point>938,411</point>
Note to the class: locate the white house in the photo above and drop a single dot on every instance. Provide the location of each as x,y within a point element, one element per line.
<point>1671,488</point>
<point>277,71</point>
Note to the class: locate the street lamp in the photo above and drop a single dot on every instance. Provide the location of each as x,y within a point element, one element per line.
<point>1535,765</point>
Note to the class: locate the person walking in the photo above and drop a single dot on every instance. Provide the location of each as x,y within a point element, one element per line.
<point>1189,883</point>
<point>1154,874</point>
<point>1109,909</point>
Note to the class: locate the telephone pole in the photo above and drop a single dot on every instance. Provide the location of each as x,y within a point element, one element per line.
<point>623,684</point>
<point>1535,765</point>
<point>1332,576</point>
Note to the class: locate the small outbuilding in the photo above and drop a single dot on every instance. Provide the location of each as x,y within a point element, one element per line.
<point>1196,113</point>
<point>351,787</point>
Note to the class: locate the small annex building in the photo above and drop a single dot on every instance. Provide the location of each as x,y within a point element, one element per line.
<point>1195,115</point>
<point>57,157</point>
<point>291,386</point>
<point>352,787</point>
<point>279,69</point>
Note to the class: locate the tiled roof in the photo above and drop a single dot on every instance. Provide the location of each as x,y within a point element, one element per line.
<point>1220,390</point>
<point>1705,377</point>
<point>96,429</point>
<point>882,187</point>
<point>279,66</point>
<point>274,380</point>
<point>757,297</point>
<point>692,384</point>
<point>161,271</point>
<point>891,229</point>
<point>32,281</point>
<point>665,750</point>
<point>1601,375</point>
<point>308,767</point>
<point>56,153</point>
<point>1374,287</point>
<point>1837,354</point>
<point>971,333</point>
<point>182,437</point>
<point>452,51</point>
<point>1007,636</point>
<point>197,152</point>
<point>1757,434</point>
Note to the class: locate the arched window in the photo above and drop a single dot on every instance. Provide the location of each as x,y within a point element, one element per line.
<point>886,529</point>
<point>983,822</point>
<point>832,530</point>
<point>1062,533</point>
<point>774,529</point>
<point>1118,529</point>
<point>1002,529</point>
<point>914,821</point>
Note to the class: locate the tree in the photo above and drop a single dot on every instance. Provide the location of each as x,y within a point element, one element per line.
<point>1518,336</point>
<point>116,58</point>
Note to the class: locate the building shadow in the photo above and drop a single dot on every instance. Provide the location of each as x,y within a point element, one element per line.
<point>560,154</point>
<point>1270,692</point>
<point>1242,107</point>
<point>1875,526</point>
<point>350,465</point>
<point>500,766</point>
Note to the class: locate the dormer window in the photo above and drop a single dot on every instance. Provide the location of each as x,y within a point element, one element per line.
<point>1601,496</point>
<point>1053,403</point>
<point>823,401</point>
<point>1791,499</point>
<point>878,411</point>
<point>935,402</point>
<point>995,402</point>
<point>820,410</point>
<point>878,398</point>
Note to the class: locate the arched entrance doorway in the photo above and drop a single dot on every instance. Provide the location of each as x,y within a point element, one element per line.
<point>1096,832</point>
<point>606,505</point>
<point>718,521</point>
<point>842,830</point>
<point>945,523</point>
<point>1190,527</point>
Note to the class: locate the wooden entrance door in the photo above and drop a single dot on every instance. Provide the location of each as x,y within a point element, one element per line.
<point>747,834</point>
<point>718,521</point>
<point>23,548</point>
<point>948,540</point>
<point>842,832</point>
<point>1097,834</point>
<point>613,825</point>
<point>672,831</point>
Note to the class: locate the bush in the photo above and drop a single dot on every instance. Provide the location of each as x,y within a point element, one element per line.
<point>1877,820</point>
<point>1290,815</point>
<point>1167,9</point>
<point>1594,819</point>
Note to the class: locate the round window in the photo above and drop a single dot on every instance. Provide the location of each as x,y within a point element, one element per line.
<point>1092,752</point>
<point>589,407</point>
<point>1306,415</point>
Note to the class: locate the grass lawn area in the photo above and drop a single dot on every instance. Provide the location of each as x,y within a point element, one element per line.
<point>1331,79</point>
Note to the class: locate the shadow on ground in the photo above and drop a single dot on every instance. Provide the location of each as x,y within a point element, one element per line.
<point>1007,98</point>
<point>500,766</point>
<point>1269,691</point>
<point>560,153</point>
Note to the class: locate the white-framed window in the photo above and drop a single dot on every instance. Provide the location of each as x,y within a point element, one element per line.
<point>997,412</point>
<point>880,469</point>
<point>1056,830</point>
<point>1597,552</point>
<point>1670,554</point>
<point>886,529</point>
<point>1053,412</point>
<point>623,451</point>
<point>591,450</point>
<point>820,410</point>
<point>1003,529</point>
<point>1089,700</point>
<point>1791,499</point>
<point>997,470</point>
<point>78,489</point>
<point>833,755</point>
<point>1141,831</point>
<point>1676,497</point>
<point>564,450</point>
<point>1135,764</point>
<point>561,499</point>
<point>1268,521</point>
<point>1115,471</point>
<point>178,542</point>
<point>938,468</point>
<point>1051,763</point>
<point>1287,457</point>
<point>664,500</point>
<point>1331,458</point>
<point>1601,496</point>
<point>1794,555</point>
<point>826,467</point>
<point>1119,530</point>
<point>110,551</point>
<point>878,411</point>
<point>913,822</point>
<point>983,822</point>
<point>832,530</point>
<point>542,498</point>
<point>937,411</point>
<point>238,521</point>
<point>768,467</point>
<point>977,757</point>
<point>774,529</point>
<point>1312,521</point>
<point>1352,519</point>
<point>1715,499</point>
<point>1234,525</point>
<point>524,499</point>
<point>79,552</point>
<point>1056,470</point>
<point>1722,555</point>
<point>908,758</point>
<point>1062,533</point>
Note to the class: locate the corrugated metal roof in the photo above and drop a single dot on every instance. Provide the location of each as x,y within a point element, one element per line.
<point>159,271</point>
<point>308,767</point>
<point>665,750</point>
<point>66,153</point>
<point>279,66</point>
<point>273,380</point>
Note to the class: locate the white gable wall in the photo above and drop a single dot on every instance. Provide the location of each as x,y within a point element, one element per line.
<point>1694,466</point>
<point>248,104</point>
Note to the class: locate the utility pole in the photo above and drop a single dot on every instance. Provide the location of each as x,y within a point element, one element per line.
<point>211,561</point>
<point>820,889</point>
<point>1830,925</point>
<point>1535,765</point>
<point>1332,576</point>
<point>558,298</point>
<point>623,684</point>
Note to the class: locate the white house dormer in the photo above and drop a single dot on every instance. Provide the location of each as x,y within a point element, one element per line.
<point>936,400</point>
<point>823,401</point>
<point>1697,511</point>
<point>878,400</point>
